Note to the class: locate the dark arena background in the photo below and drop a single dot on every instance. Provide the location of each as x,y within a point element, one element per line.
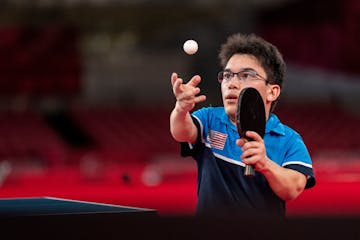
<point>85,98</point>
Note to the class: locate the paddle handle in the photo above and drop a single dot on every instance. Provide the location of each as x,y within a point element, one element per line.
<point>249,171</point>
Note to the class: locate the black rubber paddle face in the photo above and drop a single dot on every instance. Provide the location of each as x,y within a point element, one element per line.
<point>250,116</point>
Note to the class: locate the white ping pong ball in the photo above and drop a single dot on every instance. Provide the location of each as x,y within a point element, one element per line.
<point>190,47</point>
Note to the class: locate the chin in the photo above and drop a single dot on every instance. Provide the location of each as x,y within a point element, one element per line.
<point>230,110</point>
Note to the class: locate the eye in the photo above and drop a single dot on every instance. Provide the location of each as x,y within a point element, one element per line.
<point>248,74</point>
<point>227,75</point>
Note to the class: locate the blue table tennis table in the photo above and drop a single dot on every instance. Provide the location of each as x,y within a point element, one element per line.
<point>47,206</point>
<point>58,218</point>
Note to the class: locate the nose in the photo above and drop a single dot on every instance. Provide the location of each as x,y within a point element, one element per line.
<point>234,83</point>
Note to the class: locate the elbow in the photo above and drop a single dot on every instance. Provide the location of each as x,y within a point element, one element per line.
<point>293,194</point>
<point>178,136</point>
<point>183,135</point>
<point>290,194</point>
<point>296,189</point>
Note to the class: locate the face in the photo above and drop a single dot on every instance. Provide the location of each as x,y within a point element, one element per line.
<point>231,89</point>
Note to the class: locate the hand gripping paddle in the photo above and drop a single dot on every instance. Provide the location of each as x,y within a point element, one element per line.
<point>250,116</point>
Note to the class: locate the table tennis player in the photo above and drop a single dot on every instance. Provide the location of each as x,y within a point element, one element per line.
<point>283,166</point>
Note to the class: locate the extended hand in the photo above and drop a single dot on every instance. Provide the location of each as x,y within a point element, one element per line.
<point>186,93</point>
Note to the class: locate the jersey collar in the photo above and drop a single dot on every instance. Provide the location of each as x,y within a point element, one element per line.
<point>273,124</point>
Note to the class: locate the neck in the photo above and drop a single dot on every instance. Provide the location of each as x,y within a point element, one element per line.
<point>232,119</point>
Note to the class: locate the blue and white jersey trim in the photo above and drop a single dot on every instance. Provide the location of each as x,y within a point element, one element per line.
<point>227,159</point>
<point>297,163</point>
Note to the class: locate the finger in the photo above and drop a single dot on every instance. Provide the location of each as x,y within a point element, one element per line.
<point>200,98</point>
<point>174,76</point>
<point>196,91</point>
<point>240,142</point>
<point>187,93</point>
<point>177,86</point>
<point>254,136</point>
<point>250,144</point>
<point>250,160</point>
<point>250,156</point>
<point>247,154</point>
<point>194,81</point>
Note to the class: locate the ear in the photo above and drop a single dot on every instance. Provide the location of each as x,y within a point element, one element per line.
<point>273,92</point>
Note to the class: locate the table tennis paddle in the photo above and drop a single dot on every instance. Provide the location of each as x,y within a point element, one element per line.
<point>250,116</point>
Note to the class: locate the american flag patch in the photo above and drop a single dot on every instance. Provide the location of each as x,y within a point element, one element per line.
<point>217,139</point>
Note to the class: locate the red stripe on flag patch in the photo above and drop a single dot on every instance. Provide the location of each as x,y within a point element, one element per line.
<point>217,139</point>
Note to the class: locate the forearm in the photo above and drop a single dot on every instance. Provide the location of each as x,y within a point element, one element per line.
<point>286,183</point>
<point>182,127</point>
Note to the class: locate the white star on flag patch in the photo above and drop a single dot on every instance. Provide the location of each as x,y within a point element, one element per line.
<point>217,139</point>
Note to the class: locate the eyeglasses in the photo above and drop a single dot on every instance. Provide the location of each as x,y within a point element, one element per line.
<point>245,75</point>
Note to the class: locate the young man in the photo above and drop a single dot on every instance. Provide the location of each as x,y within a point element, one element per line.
<point>283,168</point>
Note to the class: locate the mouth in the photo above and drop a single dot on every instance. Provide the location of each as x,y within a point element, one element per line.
<point>231,98</point>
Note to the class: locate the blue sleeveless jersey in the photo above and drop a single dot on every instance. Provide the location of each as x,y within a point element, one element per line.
<point>222,186</point>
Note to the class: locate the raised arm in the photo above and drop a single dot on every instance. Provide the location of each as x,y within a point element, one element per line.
<point>182,127</point>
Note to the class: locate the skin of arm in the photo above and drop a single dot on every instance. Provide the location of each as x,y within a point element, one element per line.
<point>286,183</point>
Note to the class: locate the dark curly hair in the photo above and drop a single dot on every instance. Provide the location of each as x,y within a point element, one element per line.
<point>267,54</point>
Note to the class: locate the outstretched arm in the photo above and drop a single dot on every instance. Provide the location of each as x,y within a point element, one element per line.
<point>182,127</point>
<point>286,183</point>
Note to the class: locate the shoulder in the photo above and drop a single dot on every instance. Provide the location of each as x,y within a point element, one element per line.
<point>274,125</point>
<point>292,143</point>
<point>284,135</point>
<point>210,113</point>
<point>211,110</point>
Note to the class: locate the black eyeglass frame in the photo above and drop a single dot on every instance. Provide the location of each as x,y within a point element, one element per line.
<point>250,71</point>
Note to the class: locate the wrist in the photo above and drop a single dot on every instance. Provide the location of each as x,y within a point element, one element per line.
<point>180,109</point>
<point>264,166</point>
